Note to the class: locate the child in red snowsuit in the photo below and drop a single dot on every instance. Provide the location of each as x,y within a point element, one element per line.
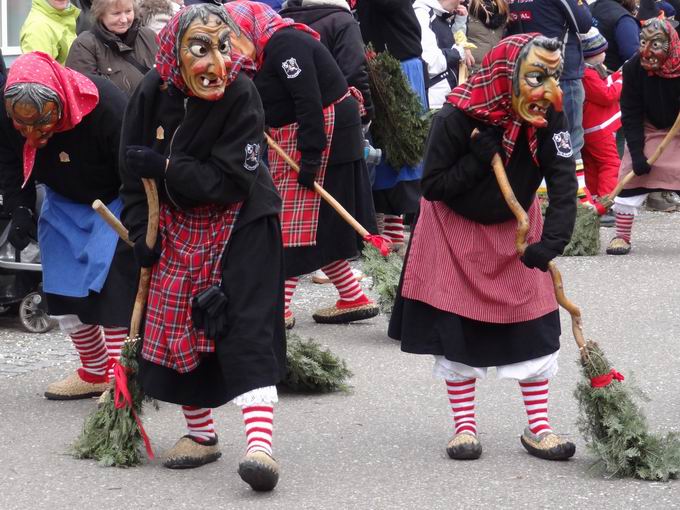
<point>601,118</point>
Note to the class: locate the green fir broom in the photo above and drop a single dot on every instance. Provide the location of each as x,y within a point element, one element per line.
<point>385,273</point>
<point>312,369</point>
<point>585,240</point>
<point>400,125</point>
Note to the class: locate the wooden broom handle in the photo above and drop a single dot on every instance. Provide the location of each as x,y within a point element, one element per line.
<point>462,72</point>
<point>322,192</point>
<point>113,222</point>
<point>145,272</point>
<point>672,133</point>
<point>521,245</point>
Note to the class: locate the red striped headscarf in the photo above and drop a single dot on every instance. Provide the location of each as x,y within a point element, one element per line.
<point>169,39</point>
<point>78,95</point>
<point>259,23</point>
<point>487,95</point>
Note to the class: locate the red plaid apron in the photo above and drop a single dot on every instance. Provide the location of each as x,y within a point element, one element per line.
<point>300,211</point>
<point>193,242</point>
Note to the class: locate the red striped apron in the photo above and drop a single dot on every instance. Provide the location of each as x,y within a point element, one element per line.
<point>470,269</point>
<point>300,209</point>
<point>193,242</point>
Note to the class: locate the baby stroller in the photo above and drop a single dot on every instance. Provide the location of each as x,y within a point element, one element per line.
<point>21,281</point>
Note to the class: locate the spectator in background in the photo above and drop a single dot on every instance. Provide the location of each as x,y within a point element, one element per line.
<point>440,51</point>
<point>616,22</point>
<point>601,119</point>
<point>84,21</point>
<point>50,27</point>
<point>116,47</point>
<point>565,20</point>
<point>486,22</point>
<point>392,25</point>
<point>155,14</point>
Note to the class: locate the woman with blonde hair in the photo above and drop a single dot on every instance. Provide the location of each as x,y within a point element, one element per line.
<point>486,24</point>
<point>117,47</point>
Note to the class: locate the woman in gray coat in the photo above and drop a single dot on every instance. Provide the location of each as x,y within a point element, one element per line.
<point>116,47</point>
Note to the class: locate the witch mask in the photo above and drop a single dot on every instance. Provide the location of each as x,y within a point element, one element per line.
<point>535,84</point>
<point>654,45</point>
<point>35,111</point>
<point>204,55</point>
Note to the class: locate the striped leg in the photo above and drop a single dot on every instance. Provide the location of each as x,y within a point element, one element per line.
<point>462,401</point>
<point>535,395</point>
<point>290,285</point>
<point>393,228</point>
<point>89,344</point>
<point>114,339</point>
<point>199,423</point>
<point>340,274</point>
<point>259,423</point>
<point>624,226</point>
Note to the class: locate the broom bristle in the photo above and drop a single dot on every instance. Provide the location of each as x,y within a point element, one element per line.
<point>385,273</point>
<point>314,369</point>
<point>616,429</point>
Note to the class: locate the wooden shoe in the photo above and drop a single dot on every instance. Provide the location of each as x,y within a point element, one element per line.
<point>75,388</point>
<point>289,320</point>
<point>259,470</point>
<point>618,246</point>
<point>189,453</point>
<point>464,446</point>
<point>343,312</point>
<point>548,446</point>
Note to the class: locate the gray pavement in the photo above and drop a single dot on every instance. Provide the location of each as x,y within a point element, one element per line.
<point>381,446</point>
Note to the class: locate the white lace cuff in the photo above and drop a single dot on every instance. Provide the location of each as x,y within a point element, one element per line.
<point>266,395</point>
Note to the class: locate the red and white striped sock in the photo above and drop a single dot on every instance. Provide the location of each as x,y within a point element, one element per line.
<point>199,423</point>
<point>89,344</point>
<point>291,284</point>
<point>462,402</point>
<point>114,339</point>
<point>535,395</point>
<point>259,422</point>
<point>393,228</point>
<point>624,226</point>
<point>340,274</point>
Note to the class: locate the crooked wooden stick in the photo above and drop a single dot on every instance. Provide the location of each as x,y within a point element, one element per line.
<point>608,201</point>
<point>521,245</point>
<point>379,242</point>
<point>113,222</point>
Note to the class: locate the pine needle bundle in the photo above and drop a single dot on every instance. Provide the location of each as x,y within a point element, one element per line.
<point>616,430</point>
<point>314,369</point>
<point>585,240</point>
<point>400,125</point>
<point>385,273</point>
<point>111,436</point>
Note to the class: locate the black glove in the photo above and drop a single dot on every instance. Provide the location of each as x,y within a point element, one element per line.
<point>307,175</point>
<point>22,228</point>
<point>537,256</point>
<point>640,165</point>
<point>208,312</point>
<point>487,144</point>
<point>145,162</point>
<point>145,256</point>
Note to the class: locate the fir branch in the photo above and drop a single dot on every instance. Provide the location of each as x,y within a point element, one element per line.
<point>385,273</point>
<point>313,369</point>
<point>585,240</point>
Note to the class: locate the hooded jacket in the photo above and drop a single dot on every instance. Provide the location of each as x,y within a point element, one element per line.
<point>49,30</point>
<point>155,14</point>
<point>339,33</point>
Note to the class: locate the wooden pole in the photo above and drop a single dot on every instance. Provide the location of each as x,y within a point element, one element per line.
<point>112,221</point>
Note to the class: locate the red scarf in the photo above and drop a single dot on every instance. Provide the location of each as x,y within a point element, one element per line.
<point>78,95</point>
<point>487,95</point>
<point>167,63</point>
<point>671,67</point>
<point>259,23</point>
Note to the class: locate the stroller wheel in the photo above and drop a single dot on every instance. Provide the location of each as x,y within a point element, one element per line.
<point>32,315</point>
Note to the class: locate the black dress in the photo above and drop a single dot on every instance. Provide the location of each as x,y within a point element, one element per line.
<point>210,145</point>
<point>90,173</point>
<point>287,101</point>
<point>453,175</point>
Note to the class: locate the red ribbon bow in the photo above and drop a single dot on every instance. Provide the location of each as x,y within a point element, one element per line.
<point>605,379</point>
<point>122,399</point>
<point>382,244</point>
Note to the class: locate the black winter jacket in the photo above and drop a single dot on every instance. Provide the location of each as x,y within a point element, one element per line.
<point>390,25</point>
<point>339,33</point>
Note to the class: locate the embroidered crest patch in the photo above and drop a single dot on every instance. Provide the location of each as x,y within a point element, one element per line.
<point>252,156</point>
<point>291,68</point>
<point>562,142</point>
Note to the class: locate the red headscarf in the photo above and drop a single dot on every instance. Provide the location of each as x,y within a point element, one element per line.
<point>671,67</point>
<point>167,62</point>
<point>78,95</point>
<point>259,22</point>
<point>487,95</point>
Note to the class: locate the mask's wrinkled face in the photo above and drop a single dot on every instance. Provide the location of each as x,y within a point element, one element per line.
<point>37,126</point>
<point>537,85</point>
<point>204,56</point>
<point>654,45</point>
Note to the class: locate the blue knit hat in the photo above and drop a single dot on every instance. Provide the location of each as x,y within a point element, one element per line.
<point>593,43</point>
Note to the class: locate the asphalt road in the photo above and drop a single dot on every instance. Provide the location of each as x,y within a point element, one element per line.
<point>382,445</point>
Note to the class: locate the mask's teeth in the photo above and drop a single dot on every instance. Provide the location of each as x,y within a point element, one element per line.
<point>206,82</point>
